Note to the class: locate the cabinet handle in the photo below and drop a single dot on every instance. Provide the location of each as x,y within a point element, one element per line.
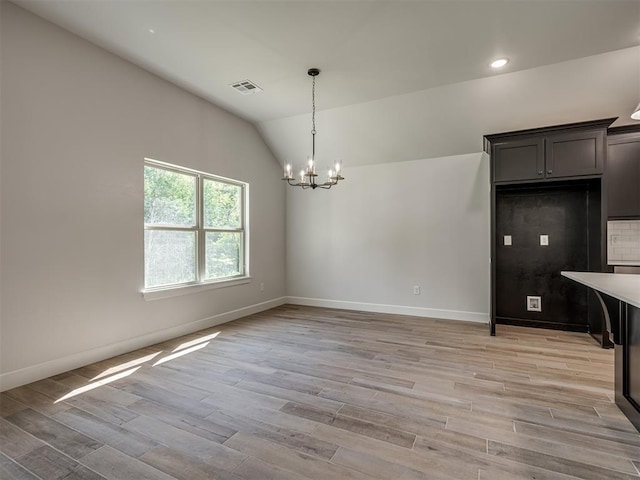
<point>539,172</point>
<point>549,172</point>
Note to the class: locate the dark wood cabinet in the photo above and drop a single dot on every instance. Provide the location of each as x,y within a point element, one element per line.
<point>575,154</point>
<point>576,150</point>
<point>546,181</point>
<point>519,160</point>
<point>627,355</point>
<point>623,172</point>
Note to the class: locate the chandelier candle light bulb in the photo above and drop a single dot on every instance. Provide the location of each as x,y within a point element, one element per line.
<point>307,176</point>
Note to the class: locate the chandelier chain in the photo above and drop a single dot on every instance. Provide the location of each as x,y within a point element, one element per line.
<point>313,107</point>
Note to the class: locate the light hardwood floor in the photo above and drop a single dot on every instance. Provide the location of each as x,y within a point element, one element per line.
<point>311,393</point>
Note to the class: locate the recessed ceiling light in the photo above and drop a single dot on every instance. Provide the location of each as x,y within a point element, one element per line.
<point>499,63</point>
<point>151,31</point>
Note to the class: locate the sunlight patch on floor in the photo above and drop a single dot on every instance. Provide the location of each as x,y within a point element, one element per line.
<point>97,384</point>
<point>126,365</point>
<point>127,368</point>
<point>180,353</point>
<point>196,341</point>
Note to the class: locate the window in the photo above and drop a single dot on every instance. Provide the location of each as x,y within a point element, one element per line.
<point>194,227</point>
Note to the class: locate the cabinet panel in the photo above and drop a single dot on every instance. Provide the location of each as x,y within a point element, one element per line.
<point>623,178</point>
<point>518,160</point>
<point>633,354</point>
<point>575,154</point>
<point>525,268</point>
<point>628,366</point>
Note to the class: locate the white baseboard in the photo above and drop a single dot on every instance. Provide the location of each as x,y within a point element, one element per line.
<point>396,309</point>
<point>37,372</point>
<point>33,373</point>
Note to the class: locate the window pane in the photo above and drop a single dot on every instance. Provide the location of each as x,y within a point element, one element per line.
<point>222,205</point>
<point>169,257</point>
<point>222,254</point>
<point>169,197</point>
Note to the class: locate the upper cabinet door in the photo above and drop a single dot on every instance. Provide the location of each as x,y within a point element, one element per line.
<point>575,154</point>
<point>623,176</point>
<point>518,160</point>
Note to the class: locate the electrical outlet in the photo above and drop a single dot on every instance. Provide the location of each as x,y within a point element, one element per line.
<point>262,286</point>
<point>534,303</point>
<point>416,289</point>
<point>507,240</point>
<point>544,240</point>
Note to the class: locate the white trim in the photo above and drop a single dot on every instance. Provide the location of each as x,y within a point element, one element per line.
<point>199,227</point>
<point>175,290</point>
<point>477,317</point>
<point>191,171</point>
<point>33,373</point>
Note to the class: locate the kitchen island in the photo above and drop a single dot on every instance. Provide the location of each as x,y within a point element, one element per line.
<point>625,331</point>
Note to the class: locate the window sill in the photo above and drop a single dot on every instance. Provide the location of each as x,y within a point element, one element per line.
<point>174,291</point>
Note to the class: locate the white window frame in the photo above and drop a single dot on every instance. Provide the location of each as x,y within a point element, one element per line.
<point>200,283</point>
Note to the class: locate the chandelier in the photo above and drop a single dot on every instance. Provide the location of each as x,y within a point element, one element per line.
<point>307,178</point>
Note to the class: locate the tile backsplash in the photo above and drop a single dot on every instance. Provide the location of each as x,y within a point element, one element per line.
<point>623,242</point>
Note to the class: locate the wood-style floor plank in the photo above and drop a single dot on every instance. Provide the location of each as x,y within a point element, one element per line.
<point>311,393</point>
<point>107,433</point>
<point>308,466</point>
<point>58,435</point>
<point>182,465</point>
<point>115,465</point>
<point>49,463</point>
<point>11,470</point>
<point>221,456</point>
<point>15,441</point>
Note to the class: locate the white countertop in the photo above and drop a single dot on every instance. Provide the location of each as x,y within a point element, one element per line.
<point>623,286</point>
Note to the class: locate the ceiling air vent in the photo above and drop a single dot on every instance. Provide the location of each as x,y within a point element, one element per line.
<point>246,87</point>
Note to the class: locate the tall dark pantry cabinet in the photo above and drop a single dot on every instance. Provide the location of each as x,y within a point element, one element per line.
<point>547,215</point>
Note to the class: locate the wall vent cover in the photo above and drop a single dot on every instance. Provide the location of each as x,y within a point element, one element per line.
<point>246,87</point>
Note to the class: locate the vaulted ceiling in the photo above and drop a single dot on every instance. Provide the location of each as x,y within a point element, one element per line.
<point>400,79</point>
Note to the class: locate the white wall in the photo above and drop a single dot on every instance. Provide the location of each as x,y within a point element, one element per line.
<point>365,243</point>
<point>452,119</point>
<point>76,125</point>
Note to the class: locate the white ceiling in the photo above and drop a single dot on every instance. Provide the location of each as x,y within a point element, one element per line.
<point>401,80</point>
<point>366,50</point>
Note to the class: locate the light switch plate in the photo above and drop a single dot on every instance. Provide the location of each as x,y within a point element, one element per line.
<point>507,240</point>
<point>544,240</point>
